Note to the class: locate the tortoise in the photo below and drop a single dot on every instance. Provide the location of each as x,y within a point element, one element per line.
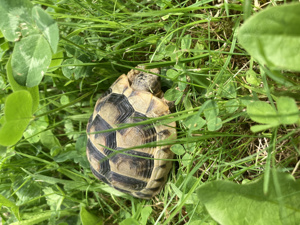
<point>132,98</point>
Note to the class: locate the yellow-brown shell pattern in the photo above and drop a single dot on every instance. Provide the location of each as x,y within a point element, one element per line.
<point>141,172</point>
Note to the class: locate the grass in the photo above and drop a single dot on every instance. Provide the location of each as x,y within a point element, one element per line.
<point>45,178</point>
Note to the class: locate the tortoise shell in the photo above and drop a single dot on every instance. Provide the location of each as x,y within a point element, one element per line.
<point>141,172</point>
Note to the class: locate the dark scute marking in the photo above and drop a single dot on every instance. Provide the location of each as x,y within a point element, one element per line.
<point>160,179</point>
<point>124,107</point>
<point>163,166</point>
<point>123,131</point>
<point>100,124</point>
<point>91,118</point>
<point>110,137</point>
<point>133,93</point>
<point>106,93</point>
<point>117,81</point>
<point>127,182</point>
<point>150,107</point>
<point>147,130</point>
<point>99,175</point>
<point>122,190</point>
<point>142,195</point>
<point>93,151</point>
<point>154,189</point>
<point>138,117</point>
<point>149,133</point>
<point>89,124</point>
<point>110,142</point>
<point>103,100</point>
<point>166,150</point>
<point>109,98</point>
<point>103,160</point>
<point>125,88</point>
<point>142,166</point>
<point>165,132</point>
<point>100,104</point>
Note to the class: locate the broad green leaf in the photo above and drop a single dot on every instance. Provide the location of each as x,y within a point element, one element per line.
<point>198,50</point>
<point>251,78</point>
<point>73,70</point>
<point>214,124</point>
<point>30,60</point>
<point>72,49</point>
<point>145,214</point>
<point>47,26</point>
<point>172,74</point>
<point>232,105</point>
<point>187,102</point>
<point>246,100</point>
<point>259,128</point>
<point>69,129</point>
<point>3,85</point>
<point>33,131</point>
<point>130,221</point>
<point>186,159</point>
<point>211,110</point>
<point>176,190</point>
<point>262,112</point>
<point>230,203</point>
<point>194,122</point>
<point>76,156</point>
<point>287,110</point>
<point>88,218</point>
<point>64,100</point>
<point>186,42</point>
<point>172,94</point>
<point>17,115</point>
<point>53,199</point>
<point>157,56</point>
<point>15,21</point>
<point>190,146</point>
<point>172,51</point>
<point>49,140</point>
<point>197,212</point>
<point>274,42</point>
<point>169,50</point>
<point>4,47</point>
<point>25,189</point>
<point>38,217</point>
<point>247,8</point>
<point>7,203</point>
<point>34,91</point>
<point>227,89</point>
<point>182,85</point>
<point>178,149</point>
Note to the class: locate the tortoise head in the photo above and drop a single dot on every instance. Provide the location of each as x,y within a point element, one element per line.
<point>147,82</point>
